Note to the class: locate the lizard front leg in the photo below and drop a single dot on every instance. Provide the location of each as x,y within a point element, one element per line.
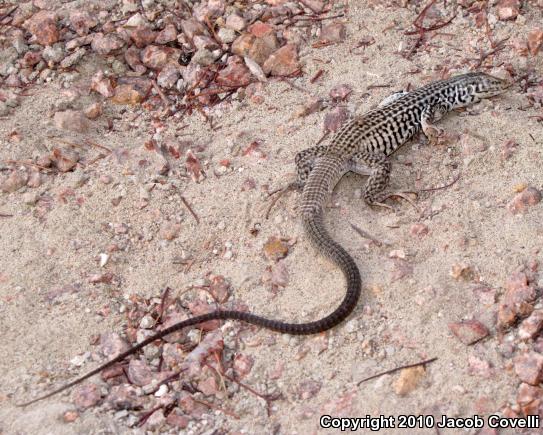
<point>429,116</point>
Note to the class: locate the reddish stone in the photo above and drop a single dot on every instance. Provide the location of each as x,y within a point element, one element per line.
<point>142,36</point>
<point>333,32</point>
<point>168,34</point>
<point>517,301</point>
<point>316,6</point>
<point>82,22</point>
<point>71,120</point>
<point>258,49</point>
<point>133,59</point>
<point>43,26</point>
<point>86,395</point>
<point>243,365</point>
<point>535,40</point>
<point>235,73</point>
<point>529,367</point>
<point>139,373</point>
<point>192,27</point>
<point>177,420</point>
<point>260,29</point>
<point>519,204</point>
<point>31,58</point>
<point>468,331</point>
<point>340,92</point>
<point>282,62</point>
<point>508,9</point>
<point>156,57</point>
<point>419,229</point>
<point>235,22</point>
<point>101,84</point>
<point>335,119</point>
<point>531,326</point>
<point>105,44</point>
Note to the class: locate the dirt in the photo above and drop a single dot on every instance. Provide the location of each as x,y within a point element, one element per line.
<point>406,304</point>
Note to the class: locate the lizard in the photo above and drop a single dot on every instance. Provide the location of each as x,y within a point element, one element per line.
<point>362,145</point>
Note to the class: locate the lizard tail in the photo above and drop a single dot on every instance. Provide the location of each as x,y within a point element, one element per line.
<point>318,235</point>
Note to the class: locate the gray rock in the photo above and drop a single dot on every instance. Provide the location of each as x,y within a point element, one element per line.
<point>53,53</point>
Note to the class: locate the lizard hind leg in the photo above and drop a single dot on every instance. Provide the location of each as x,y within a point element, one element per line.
<point>374,191</point>
<point>305,162</point>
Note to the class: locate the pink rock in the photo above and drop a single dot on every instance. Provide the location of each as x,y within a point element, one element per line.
<point>102,84</point>
<point>34,179</point>
<point>111,345</point>
<point>132,57</point>
<point>86,395</point>
<point>261,30</point>
<point>517,301</point>
<point>192,27</point>
<point>124,397</point>
<point>468,331</point>
<point>508,9</point>
<point>93,111</point>
<point>208,386</point>
<point>235,22</point>
<point>479,367</point>
<point>219,288</point>
<point>529,367</point>
<point>105,44</point>
<point>177,420</point>
<point>535,40</point>
<point>168,76</point>
<point>316,6</point>
<point>82,22</point>
<point>486,295</point>
<point>335,119</point>
<point>194,168</point>
<point>258,49</point>
<point>142,36</point>
<point>205,41</point>
<point>243,365</point>
<point>71,120</point>
<point>139,373</point>
<point>419,229</point>
<point>333,33</point>
<point>14,181</point>
<point>156,57</point>
<point>531,326</point>
<point>340,92</point>
<point>282,62</point>
<point>168,34</point>
<point>308,389</point>
<point>79,42</point>
<point>31,58</point>
<point>521,201</point>
<point>64,159</point>
<point>43,26</point>
<point>235,73</point>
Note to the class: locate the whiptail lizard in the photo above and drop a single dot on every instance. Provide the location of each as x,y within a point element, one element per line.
<point>362,145</point>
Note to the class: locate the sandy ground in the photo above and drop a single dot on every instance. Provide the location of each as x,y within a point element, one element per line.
<point>402,317</point>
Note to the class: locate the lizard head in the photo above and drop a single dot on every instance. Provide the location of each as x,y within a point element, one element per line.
<point>482,85</point>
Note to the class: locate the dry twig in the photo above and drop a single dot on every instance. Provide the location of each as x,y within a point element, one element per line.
<point>394,370</point>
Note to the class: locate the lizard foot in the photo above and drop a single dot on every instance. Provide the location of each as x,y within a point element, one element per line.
<point>434,134</point>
